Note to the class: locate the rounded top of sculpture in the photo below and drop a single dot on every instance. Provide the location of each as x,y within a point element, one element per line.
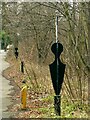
<point>57,48</point>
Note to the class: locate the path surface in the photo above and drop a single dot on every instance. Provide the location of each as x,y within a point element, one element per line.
<point>5,99</point>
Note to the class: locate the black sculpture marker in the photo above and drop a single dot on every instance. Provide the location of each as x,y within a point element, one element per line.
<point>16,52</point>
<point>22,66</point>
<point>57,69</point>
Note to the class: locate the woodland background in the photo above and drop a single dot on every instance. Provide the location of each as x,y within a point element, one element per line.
<point>31,28</point>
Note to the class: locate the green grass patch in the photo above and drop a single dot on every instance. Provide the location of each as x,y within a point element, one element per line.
<point>48,99</point>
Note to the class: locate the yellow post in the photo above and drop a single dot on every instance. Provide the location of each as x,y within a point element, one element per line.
<point>23,96</point>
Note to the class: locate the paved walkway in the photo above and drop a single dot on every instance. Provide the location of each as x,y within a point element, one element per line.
<point>5,99</point>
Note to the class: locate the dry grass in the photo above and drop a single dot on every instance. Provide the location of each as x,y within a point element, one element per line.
<point>39,80</point>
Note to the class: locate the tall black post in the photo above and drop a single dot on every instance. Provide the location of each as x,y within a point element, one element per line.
<point>16,52</point>
<point>57,69</point>
<point>22,66</point>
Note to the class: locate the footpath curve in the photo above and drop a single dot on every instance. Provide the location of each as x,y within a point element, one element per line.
<point>5,89</point>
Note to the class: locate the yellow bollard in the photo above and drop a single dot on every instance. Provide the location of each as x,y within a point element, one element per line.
<point>23,95</point>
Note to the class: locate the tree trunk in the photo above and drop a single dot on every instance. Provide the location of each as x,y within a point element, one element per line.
<point>89,58</point>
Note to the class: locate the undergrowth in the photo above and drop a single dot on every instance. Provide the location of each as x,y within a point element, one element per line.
<point>41,92</point>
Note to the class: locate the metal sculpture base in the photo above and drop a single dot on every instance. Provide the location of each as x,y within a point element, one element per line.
<point>57,101</point>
